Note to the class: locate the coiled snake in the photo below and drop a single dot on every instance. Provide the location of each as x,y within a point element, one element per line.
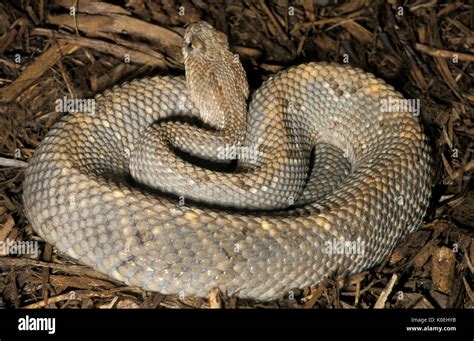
<point>328,181</point>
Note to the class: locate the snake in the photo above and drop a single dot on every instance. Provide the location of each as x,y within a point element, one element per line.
<point>184,184</point>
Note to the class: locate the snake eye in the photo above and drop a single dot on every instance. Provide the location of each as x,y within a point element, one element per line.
<point>196,43</point>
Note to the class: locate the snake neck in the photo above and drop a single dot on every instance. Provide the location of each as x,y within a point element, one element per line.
<point>215,79</point>
<point>218,86</point>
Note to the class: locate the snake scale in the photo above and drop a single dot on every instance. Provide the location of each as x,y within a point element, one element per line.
<point>329,167</point>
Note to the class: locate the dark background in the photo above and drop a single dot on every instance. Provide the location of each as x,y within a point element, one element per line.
<point>423,48</point>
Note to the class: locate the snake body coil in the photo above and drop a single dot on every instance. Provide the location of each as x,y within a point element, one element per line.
<point>366,188</point>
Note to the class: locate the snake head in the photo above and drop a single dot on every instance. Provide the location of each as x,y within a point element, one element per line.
<point>201,38</point>
<point>214,76</point>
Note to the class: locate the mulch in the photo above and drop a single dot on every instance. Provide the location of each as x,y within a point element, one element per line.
<point>52,49</point>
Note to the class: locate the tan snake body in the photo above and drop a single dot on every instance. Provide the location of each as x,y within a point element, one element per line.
<point>371,189</point>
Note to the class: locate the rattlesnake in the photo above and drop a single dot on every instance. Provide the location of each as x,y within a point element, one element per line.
<point>333,184</point>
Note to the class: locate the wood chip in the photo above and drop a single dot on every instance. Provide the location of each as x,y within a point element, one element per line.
<point>443,266</point>
<point>80,282</point>
<point>127,304</point>
<point>35,70</point>
<point>440,298</point>
<point>423,256</point>
<point>423,303</point>
<point>215,300</point>
<point>471,251</point>
<point>5,230</point>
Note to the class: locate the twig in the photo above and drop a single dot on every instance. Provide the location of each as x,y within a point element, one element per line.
<point>68,268</point>
<point>468,289</point>
<point>468,262</point>
<point>145,57</point>
<point>4,162</point>
<point>274,20</point>
<point>380,304</point>
<point>326,21</point>
<point>444,53</point>
<point>72,295</point>
<point>166,39</point>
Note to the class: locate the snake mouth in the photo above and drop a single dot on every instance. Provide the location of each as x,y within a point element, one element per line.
<point>187,46</point>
